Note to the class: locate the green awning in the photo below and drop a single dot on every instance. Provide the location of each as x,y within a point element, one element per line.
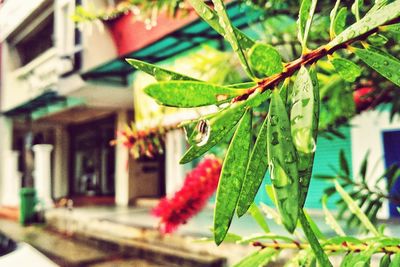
<point>44,104</point>
<point>192,35</point>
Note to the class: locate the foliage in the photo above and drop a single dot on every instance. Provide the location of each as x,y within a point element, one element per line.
<point>291,123</point>
<point>370,197</point>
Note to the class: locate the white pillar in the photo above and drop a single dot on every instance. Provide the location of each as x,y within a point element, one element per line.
<point>174,172</point>
<point>12,179</point>
<point>42,173</point>
<point>6,129</point>
<point>122,185</point>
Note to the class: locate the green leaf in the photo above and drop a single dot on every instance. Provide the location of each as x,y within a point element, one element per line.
<point>211,17</point>
<point>394,28</point>
<point>304,112</point>
<point>221,124</point>
<point>364,165</point>
<point>368,22</point>
<point>258,217</point>
<point>255,171</point>
<point>332,17</point>
<point>355,209</point>
<point>265,60</point>
<point>385,261</point>
<point>269,236</point>
<point>187,94</point>
<point>244,85</point>
<point>229,238</point>
<point>330,219</point>
<point>304,116</point>
<point>377,39</point>
<point>340,239</point>
<point>361,259</point>
<point>160,74</point>
<point>306,15</point>
<point>395,261</point>
<point>322,258</point>
<point>231,179</point>
<point>258,258</point>
<point>347,69</point>
<point>283,162</point>
<point>339,24</point>
<point>230,35</point>
<point>343,163</point>
<point>355,8</point>
<point>314,227</point>
<point>385,64</point>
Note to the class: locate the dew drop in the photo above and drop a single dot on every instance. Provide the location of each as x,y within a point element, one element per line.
<point>303,140</point>
<point>279,176</point>
<point>275,138</point>
<point>389,75</point>
<point>351,34</point>
<point>385,63</point>
<point>203,132</point>
<point>305,101</point>
<point>289,157</point>
<point>274,120</point>
<point>208,14</point>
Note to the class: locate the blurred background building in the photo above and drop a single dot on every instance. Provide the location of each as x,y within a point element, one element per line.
<point>67,90</point>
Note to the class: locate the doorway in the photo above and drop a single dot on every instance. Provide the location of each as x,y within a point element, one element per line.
<point>92,158</point>
<point>391,144</point>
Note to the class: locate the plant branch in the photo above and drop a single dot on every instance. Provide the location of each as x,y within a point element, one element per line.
<point>309,58</point>
<point>343,247</point>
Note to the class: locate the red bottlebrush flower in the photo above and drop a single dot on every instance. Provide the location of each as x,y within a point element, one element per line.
<point>363,98</point>
<point>198,187</point>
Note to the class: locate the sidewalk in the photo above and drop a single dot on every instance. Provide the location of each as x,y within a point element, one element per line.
<point>134,230</point>
<point>137,228</point>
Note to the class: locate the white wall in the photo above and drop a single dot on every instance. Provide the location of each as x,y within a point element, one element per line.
<point>366,135</point>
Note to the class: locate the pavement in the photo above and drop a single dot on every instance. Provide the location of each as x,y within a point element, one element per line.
<point>128,236</point>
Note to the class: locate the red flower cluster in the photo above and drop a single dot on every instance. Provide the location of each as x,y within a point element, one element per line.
<point>199,185</point>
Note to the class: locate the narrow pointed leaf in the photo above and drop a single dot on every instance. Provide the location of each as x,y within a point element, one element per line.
<point>255,172</point>
<point>258,258</point>
<point>347,69</point>
<point>332,17</point>
<point>355,209</point>
<point>230,35</point>
<point>385,261</point>
<point>258,217</point>
<point>395,261</point>
<point>306,15</point>
<point>221,124</point>
<point>377,39</point>
<point>304,117</point>
<point>322,258</point>
<point>394,28</point>
<point>265,60</point>
<point>364,165</point>
<point>211,17</point>
<point>232,175</point>
<point>339,24</point>
<point>368,22</point>
<point>160,74</point>
<point>330,219</point>
<point>385,64</point>
<point>283,162</point>
<point>343,163</point>
<point>186,94</point>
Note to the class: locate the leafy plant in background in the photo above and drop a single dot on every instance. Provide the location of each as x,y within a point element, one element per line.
<point>369,198</point>
<point>286,141</point>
